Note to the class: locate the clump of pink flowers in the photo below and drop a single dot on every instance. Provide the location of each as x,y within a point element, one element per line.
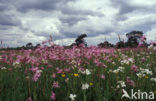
<point>55,84</point>
<point>37,74</point>
<point>134,68</point>
<point>130,82</point>
<point>53,96</point>
<point>29,99</point>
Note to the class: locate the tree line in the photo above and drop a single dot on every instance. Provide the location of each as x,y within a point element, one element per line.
<point>135,39</point>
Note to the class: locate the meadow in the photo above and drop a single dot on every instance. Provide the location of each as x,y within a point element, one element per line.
<point>76,74</point>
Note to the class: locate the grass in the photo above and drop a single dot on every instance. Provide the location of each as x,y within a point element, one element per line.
<point>67,68</point>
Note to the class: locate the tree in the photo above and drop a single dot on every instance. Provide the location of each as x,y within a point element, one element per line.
<point>37,45</point>
<point>80,40</point>
<point>29,45</point>
<point>133,38</point>
<point>105,44</point>
<point>120,44</point>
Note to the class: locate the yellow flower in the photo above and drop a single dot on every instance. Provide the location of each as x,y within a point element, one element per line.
<point>76,75</point>
<point>90,84</point>
<point>146,77</point>
<point>63,75</point>
<point>155,91</point>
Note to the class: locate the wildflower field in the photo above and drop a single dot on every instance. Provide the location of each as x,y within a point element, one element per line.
<point>76,74</point>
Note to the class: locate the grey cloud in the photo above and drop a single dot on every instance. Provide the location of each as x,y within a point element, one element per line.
<point>27,5</point>
<point>70,34</point>
<point>47,35</point>
<point>52,5</point>
<point>72,20</point>
<point>9,20</point>
<point>146,26</point>
<point>3,7</point>
<point>72,11</point>
<point>124,6</point>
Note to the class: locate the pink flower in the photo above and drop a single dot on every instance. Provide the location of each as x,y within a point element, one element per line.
<point>130,82</point>
<point>36,75</point>
<point>134,68</point>
<point>44,42</point>
<point>140,45</point>
<point>143,38</point>
<point>143,59</point>
<point>59,70</point>
<point>29,99</point>
<point>53,75</point>
<point>34,69</point>
<point>103,77</point>
<point>67,70</point>
<point>55,84</point>
<point>53,96</point>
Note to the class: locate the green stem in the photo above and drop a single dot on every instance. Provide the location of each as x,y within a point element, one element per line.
<point>84,96</point>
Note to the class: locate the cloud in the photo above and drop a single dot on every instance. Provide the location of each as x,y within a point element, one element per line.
<point>35,20</point>
<point>45,5</point>
<point>8,20</point>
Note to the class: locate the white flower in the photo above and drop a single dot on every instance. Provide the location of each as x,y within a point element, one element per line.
<point>72,96</point>
<point>116,71</point>
<point>150,47</point>
<point>118,86</point>
<point>39,71</point>
<point>127,60</point>
<point>87,72</point>
<point>85,86</point>
<point>148,71</point>
<point>66,80</point>
<point>0,57</point>
<point>131,60</point>
<point>113,63</point>
<point>153,79</point>
<point>3,68</point>
<point>121,68</point>
<point>140,75</point>
<point>122,83</point>
<point>110,71</point>
<point>16,63</point>
<point>44,61</point>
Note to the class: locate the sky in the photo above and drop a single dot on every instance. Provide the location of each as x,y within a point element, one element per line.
<point>23,21</point>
